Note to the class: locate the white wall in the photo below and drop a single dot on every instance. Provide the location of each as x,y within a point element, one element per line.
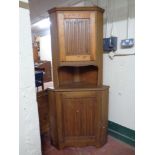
<point>29,136</point>
<point>45,47</point>
<point>119,73</point>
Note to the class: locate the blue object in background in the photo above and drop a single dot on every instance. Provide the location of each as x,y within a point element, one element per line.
<point>110,44</point>
<point>127,43</point>
<point>39,78</point>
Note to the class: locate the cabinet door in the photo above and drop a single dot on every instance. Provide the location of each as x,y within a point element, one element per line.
<point>78,118</point>
<point>77,35</point>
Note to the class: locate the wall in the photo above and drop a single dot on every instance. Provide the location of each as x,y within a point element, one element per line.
<point>29,136</point>
<point>45,47</point>
<point>119,73</point>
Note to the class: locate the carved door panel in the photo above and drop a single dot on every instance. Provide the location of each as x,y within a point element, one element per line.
<point>77,33</point>
<point>79,117</point>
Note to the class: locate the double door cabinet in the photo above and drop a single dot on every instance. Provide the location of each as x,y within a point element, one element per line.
<point>78,117</point>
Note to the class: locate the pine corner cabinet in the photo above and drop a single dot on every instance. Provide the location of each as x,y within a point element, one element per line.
<point>78,103</point>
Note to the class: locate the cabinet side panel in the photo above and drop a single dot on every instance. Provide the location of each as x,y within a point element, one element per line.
<point>99,48</point>
<point>42,99</point>
<point>55,48</point>
<point>59,119</point>
<point>104,116</point>
<point>52,117</point>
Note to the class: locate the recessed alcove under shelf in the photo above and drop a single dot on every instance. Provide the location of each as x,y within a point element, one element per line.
<point>78,76</point>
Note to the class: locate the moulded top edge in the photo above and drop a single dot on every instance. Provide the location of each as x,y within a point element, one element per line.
<point>93,8</point>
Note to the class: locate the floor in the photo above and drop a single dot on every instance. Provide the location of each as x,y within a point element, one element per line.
<point>113,147</point>
<point>46,85</point>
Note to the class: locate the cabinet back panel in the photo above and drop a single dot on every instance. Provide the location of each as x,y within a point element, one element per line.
<point>66,75</point>
<point>89,74</point>
<point>84,74</point>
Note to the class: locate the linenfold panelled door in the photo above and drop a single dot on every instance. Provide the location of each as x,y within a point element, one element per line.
<point>78,117</point>
<point>77,38</point>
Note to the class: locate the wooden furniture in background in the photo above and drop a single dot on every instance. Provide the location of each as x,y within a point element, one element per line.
<point>35,54</point>
<point>78,104</point>
<point>42,100</point>
<point>45,66</point>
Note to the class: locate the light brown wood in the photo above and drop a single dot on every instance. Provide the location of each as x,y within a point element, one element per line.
<point>84,74</point>
<point>35,54</point>
<point>61,36</point>
<point>77,37</point>
<point>42,100</point>
<point>81,117</point>
<point>78,15</point>
<point>78,104</point>
<point>94,8</point>
<point>55,48</point>
<point>93,35</point>
<point>99,40</point>
<point>76,31</point>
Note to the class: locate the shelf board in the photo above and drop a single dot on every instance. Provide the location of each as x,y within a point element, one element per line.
<point>78,63</point>
<point>79,86</point>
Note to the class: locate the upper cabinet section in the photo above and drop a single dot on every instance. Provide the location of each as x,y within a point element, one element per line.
<point>74,33</point>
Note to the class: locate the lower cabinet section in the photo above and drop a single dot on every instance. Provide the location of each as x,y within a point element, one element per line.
<point>78,117</point>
